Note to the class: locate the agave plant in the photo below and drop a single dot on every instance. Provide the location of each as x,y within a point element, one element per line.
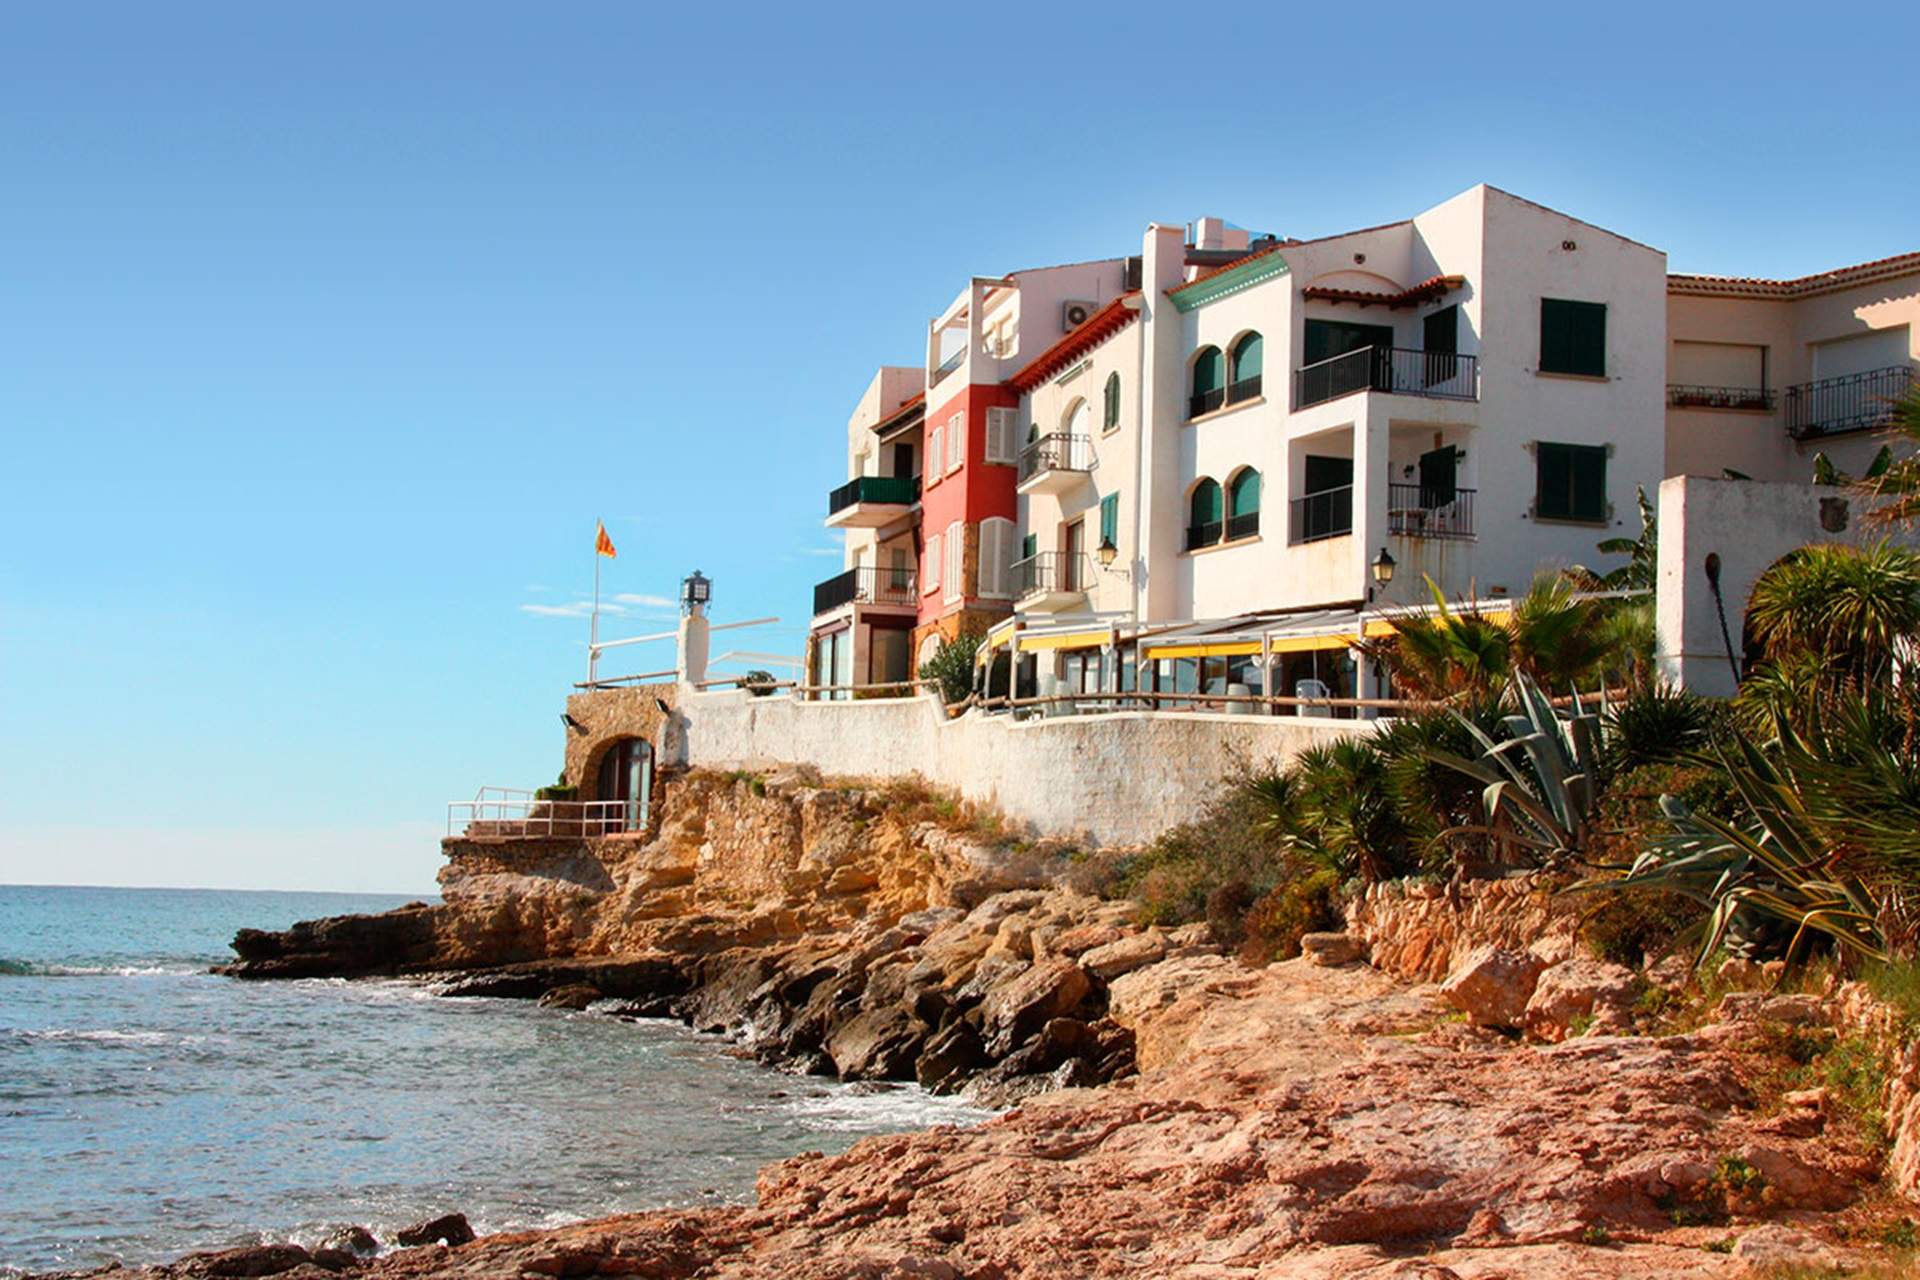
<point>1539,787</point>
<point>1778,869</point>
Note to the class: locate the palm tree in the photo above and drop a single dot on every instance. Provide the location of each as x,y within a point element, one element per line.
<point>1448,655</point>
<point>1556,637</point>
<point>1643,553</point>
<point>1898,481</point>
<point>1857,608</point>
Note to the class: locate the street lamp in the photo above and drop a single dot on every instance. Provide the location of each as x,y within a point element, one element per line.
<point>1383,567</point>
<point>1107,553</point>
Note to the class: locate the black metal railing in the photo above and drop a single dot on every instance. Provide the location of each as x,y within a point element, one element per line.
<point>1205,402</point>
<point>948,365</point>
<point>1243,526</point>
<point>1051,571</point>
<point>1440,375</point>
<point>1687,395</point>
<point>1056,452</point>
<point>867,584</point>
<point>1856,402</point>
<point>1429,511</point>
<point>1204,534</point>
<point>1245,389</point>
<point>1326,514</point>
<point>901,489</point>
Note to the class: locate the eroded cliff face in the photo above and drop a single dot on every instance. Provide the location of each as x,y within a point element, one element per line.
<point>839,930</point>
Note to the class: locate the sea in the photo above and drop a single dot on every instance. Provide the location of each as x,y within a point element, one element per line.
<point>149,1108</point>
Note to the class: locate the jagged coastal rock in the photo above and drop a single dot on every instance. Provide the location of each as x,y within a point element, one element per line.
<point>1178,1113</point>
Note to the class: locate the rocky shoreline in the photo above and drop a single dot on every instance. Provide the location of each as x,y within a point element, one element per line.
<point>1176,1113</point>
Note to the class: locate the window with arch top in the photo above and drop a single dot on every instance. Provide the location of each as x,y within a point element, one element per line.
<point>1209,382</point>
<point>1243,504</point>
<point>1247,356</point>
<point>1110,408</point>
<point>1203,515</point>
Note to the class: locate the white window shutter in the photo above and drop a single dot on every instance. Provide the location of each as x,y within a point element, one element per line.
<point>935,464</point>
<point>996,549</point>
<point>1000,435</point>
<point>956,440</point>
<point>930,571</point>
<point>956,560</point>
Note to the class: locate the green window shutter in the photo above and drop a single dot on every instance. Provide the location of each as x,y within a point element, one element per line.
<point>1206,503</point>
<point>1030,546</point>
<point>1571,482</point>
<point>1110,418</point>
<point>1246,494</point>
<point>1208,374</point>
<point>1110,519</point>
<point>1573,337</point>
<point>1247,356</point>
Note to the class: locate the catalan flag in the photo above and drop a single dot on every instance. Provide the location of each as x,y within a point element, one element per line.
<point>602,543</point>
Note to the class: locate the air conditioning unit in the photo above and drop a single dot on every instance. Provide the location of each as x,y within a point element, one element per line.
<point>1075,314</point>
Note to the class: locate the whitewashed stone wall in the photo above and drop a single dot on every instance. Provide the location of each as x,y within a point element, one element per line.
<point>1120,778</point>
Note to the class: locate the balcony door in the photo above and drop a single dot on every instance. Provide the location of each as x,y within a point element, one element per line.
<point>1326,339</point>
<point>1073,543</point>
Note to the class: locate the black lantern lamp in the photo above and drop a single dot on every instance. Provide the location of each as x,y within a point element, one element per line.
<point>696,589</point>
<point>1383,567</point>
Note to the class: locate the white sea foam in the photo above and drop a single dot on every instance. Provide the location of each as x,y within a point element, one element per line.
<point>856,1110</point>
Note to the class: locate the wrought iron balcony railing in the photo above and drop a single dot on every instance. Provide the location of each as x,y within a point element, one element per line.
<point>900,489</point>
<point>1056,452</point>
<point>867,584</point>
<point>1686,395</point>
<point>1201,403</point>
<point>1429,511</point>
<point>1441,375</point>
<point>1856,402</point>
<point>1326,514</point>
<point>1050,572</point>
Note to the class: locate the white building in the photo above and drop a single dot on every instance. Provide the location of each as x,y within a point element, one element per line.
<point>1218,445</point>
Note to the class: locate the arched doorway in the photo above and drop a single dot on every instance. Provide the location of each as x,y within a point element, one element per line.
<point>624,786</point>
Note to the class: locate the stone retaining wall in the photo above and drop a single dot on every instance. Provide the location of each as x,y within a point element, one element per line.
<point>1114,779</point>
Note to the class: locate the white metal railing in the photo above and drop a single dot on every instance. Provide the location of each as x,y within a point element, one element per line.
<point>515,811</point>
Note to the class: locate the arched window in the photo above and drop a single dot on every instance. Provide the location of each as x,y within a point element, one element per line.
<point>1110,415</point>
<point>1203,515</point>
<point>1243,504</point>
<point>1246,369</point>
<point>1209,382</point>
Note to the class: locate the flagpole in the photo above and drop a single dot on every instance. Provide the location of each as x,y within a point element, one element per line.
<point>593,631</point>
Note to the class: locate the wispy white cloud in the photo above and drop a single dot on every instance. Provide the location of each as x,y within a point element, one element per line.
<point>645,601</point>
<point>557,610</point>
<point>822,551</point>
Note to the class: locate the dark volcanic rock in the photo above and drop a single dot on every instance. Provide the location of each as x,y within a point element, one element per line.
<point>575,995</point>
<point>339,946</point>
<point>255,1260</point>
<point>448,1228</point>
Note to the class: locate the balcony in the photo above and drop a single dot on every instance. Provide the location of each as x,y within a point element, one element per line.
<point>868,502</point>
<point>947,366</point>
<point>1201,403</point>
<point>1055,463</point>
<point>1857,402</point>
<point>1437,375</point>
<point>1319,516</point>
<point>892,587</point>
<point>1051,580</point>
<point>1423,511</point>
<point>1690,396</point>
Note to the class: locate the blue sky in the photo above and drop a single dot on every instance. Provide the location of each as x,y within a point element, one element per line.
<point>326,331</point>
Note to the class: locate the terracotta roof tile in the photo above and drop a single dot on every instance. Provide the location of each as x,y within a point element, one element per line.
<point>1801,287</point>
<point>1096,329</point>
<point>1430,288</point>
<point>918,400</point>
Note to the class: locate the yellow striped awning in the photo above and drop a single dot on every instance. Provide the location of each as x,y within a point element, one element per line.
<point>1385,626</point>
<point>1064,640</point>
<point>1304,644</point>
<point>1202,649</point>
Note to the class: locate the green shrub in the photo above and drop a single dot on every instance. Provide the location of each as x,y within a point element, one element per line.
<point>1173,877</point>
<point>1273,927</point>
<point>951,666</point>
<point>1657,723</point>
<point>1627,928</point>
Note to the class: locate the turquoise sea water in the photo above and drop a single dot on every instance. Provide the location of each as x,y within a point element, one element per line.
<point>148,1108</point>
